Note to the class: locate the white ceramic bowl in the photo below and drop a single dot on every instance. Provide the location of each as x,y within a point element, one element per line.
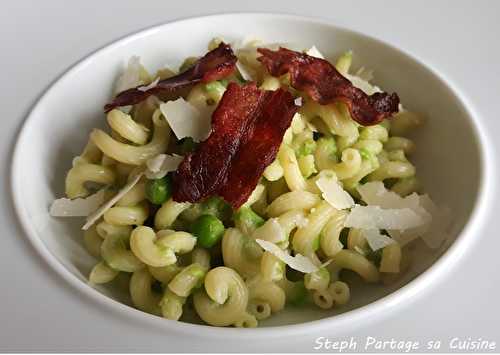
<point>451,158</point>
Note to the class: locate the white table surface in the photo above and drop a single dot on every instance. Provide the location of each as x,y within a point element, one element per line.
<point>40,39</point>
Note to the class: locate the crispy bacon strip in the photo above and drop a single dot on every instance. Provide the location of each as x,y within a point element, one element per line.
<point>214,65</point>
<point>324,84</point>
<point>203,171</point>
<point>247,129</point>
<point>260,147</point>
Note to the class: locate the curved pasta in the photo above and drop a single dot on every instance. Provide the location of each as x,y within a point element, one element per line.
<point>376,132</point>
<point>236,255</point>
<point>259,309</point>
<point>126,127</point>
<point>392,169</point>
<point>248,320</point>
<point>164,274</point>
<point>90,155</point>
<point>266,291</point>
<point>350,164</point>
<point>160,249</point>
<point>187,280</point>
<point>168,213</point>
<point>271,268</point>
<point>348,259</point>
<point>127,216</point>
<point>101,273</point>
<point>105,229</point>
<point>225,299</point>
<point>130,154</point>
<point>405,144</point>
<point>81,173</point>
<point>116,254</point>
<point>407,186</point>
<point>171,305</point>
<point>304,238</point>
<point>323,299</point>
<point>134,196</point>
<point>294,200</point>
<point>291,171</point>
<point>340,292</point>
<point>142,296</point>
<point>93,241</point>
<point>329,238</point>
<point>318,280</point>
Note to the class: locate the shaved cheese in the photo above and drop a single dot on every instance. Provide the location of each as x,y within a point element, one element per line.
<point>150,86</point>
<point>270,231</point>
<point>441,220</point>
<point>92,218</point>
<point>333,193</point>
<point>375,239</point>
<point>374,217</point>
<point>78,207</point>
<point>244,72</point>
<point>298,262</point>
<point>185,120</point>
<point>131,77</point>
<point>435,220</point>
<point>162,164</point>
<point>298,101</point>
<point>314,52</point>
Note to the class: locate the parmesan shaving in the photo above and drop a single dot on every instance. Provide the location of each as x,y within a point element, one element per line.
<point>298,101</point>
<point>150,86</point>
<point>78,207</point>
<point>374,217</point>
<point>436,220</point>
<point>314,52</point>
<point>333,193</point>
<point>131,77</point>
<point>162,164</point>
<point>244,72</point>
<point>185,120</point>
<point>441,221</point>
<point>298,262</point>
<point>375,239</point>
<point>92,218</point>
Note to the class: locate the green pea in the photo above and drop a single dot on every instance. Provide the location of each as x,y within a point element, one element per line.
<point>159,190</point>
<point>208,229</point>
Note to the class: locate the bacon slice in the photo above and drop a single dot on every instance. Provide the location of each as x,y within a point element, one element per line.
<point>203,171</point>
<point>247,129</point>
<point>260,146</point>
<point>214,65</point>
<point>324,84</point>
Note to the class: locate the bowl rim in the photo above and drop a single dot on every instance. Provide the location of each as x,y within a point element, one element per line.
<point>342,322</point>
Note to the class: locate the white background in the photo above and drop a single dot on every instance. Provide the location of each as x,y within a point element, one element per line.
<point>40,39</point>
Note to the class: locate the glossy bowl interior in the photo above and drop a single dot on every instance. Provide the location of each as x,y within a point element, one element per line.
<point>58,127</point>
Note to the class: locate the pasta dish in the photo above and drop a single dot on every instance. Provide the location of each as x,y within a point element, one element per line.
<point>250,179</point>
